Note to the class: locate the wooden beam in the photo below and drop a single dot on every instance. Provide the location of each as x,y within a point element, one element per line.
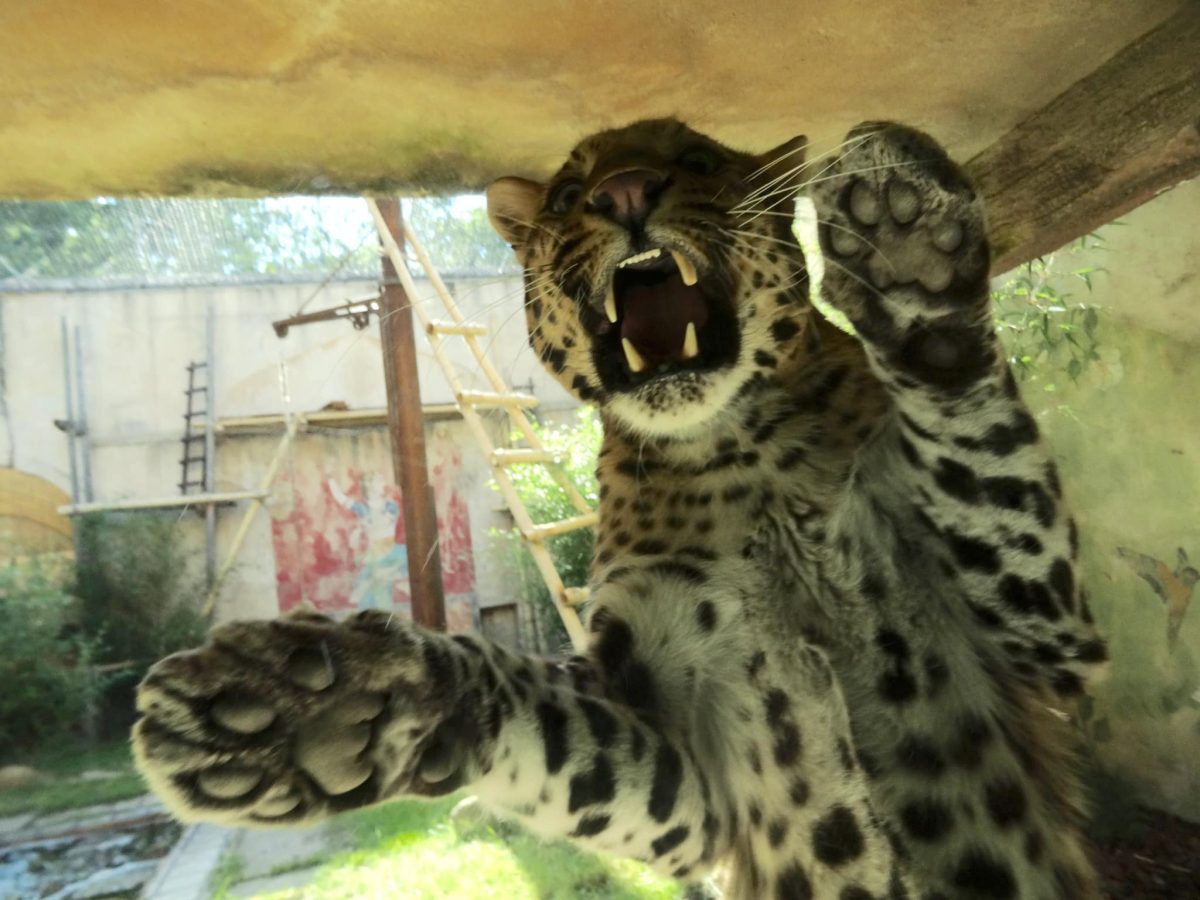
<point>406,428</point>
<point>174,502</point>
<point>1109,143</point>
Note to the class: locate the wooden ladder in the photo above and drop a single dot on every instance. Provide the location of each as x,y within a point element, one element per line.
<point>195,443</point>
<point>501,396</point>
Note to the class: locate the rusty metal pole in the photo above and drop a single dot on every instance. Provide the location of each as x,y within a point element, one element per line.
<point>406,429</point>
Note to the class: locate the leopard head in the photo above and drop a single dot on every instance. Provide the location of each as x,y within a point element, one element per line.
<point>662,276</point>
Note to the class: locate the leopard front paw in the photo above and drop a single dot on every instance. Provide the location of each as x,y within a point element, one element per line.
<point>299,718</point>
<point>905,243</point>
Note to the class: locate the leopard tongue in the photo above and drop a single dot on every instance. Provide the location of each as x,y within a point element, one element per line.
<point>655,318</point>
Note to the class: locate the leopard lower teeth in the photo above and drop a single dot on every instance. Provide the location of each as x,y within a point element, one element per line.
<point>686,270</point>
<point>691,345</point>
<point>636,363</point>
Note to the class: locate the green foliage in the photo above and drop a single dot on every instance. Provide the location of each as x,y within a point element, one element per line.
<point>46,671</point>
<point>180,238</point>
<point>136,591</point>
<point>577,445</point>
<point>1048,333</point>
<point>458,237</point>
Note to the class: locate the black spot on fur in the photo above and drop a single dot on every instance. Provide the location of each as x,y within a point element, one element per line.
<point>669,840</point>
<point>595,786</point>
<point>979,874</point>
<point>553,724</point>
<point>918,754</point>
<point>649,546</point>
<point>1005,801</point>
<point>897,686</point>
<point>668,776</point>
<point>854,892</point>
<point>793,884</point>
<point>591,825</point>
<point>615,644</point>
<point>799,792</point>
<point>787,744</point>
<point>972,553</point>
<point>836,838</point>
<point>971,741</point>
<point>765,359</point>
<point>892,643</point>
<point>784,330</point>
<point>601,722</point>
<point>926,820</point>
<point>777,832</point>
<point>1034,846</point>
<point>637,687</point>
<point>671,567</point>
<point>1062,582</point>
<point>1003,440</point>
<point>706,616</point>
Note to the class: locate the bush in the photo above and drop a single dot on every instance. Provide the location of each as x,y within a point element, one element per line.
<point>578,445</point>
<point>46,667</point>
<point>138,596</point>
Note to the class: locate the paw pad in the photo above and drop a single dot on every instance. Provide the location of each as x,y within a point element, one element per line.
<point>865,205</point>
<point>242,714</point>
<point>904,203</point>
<point>229,782</point>
<point>310,668</point>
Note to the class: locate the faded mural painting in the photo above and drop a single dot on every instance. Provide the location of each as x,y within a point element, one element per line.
<point>338,533</point>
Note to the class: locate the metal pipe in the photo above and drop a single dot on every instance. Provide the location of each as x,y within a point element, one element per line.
<point>85,437</point>
<point>70,422</point>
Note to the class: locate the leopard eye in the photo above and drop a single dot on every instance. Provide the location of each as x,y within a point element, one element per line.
<point>701,160</point>
<point>564,196</point>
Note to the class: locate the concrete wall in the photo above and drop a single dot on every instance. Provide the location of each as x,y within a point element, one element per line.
<point>331,536</point>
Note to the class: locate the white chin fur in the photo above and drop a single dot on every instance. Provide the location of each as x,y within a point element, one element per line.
<point>670,409</point>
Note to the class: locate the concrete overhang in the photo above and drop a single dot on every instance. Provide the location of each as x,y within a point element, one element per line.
<point>209,97</point>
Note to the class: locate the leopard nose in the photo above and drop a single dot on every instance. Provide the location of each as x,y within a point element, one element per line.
<point>627,197</point>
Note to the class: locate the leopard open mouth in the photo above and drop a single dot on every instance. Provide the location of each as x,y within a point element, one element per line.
<point>662,319</point>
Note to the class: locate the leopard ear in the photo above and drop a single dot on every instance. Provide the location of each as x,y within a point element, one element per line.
<point>512,205</point>
<point>781,171</point>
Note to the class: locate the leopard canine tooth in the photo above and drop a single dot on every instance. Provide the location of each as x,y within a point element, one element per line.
<point>610,304</point>
<point>691,346</point>
<point>636,363</point>
<point>686,270</point>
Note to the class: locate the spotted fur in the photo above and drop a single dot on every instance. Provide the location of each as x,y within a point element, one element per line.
<point>834,592</point>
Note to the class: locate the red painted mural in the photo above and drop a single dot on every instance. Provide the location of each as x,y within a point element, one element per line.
<point>339,539</point>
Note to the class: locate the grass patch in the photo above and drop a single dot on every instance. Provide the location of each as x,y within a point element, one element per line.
<point>411,849</point>
<point>64,789</point>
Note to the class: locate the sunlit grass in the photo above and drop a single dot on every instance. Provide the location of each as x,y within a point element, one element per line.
<point>411,849</point>
<point>62,789</point>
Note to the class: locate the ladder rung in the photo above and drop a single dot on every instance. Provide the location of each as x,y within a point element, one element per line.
<point>190,414</point>
<point>195,437</point>
<point>195,389</point>
<point>442,327</point>
<point>486,398</point>
<point>523,456</point>
<point>552,529</point>
<point>575,596</point>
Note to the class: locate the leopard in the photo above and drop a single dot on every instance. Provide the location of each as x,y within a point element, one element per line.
<point>834,628</point>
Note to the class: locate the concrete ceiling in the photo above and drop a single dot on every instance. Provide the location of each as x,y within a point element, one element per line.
<point>220,98</point>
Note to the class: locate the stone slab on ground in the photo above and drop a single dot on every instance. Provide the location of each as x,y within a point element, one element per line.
<point>186,872</point>
<point>266,852</point>
<point>257,887</point>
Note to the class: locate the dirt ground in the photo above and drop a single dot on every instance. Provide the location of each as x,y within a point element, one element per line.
<point>1161,863</point>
